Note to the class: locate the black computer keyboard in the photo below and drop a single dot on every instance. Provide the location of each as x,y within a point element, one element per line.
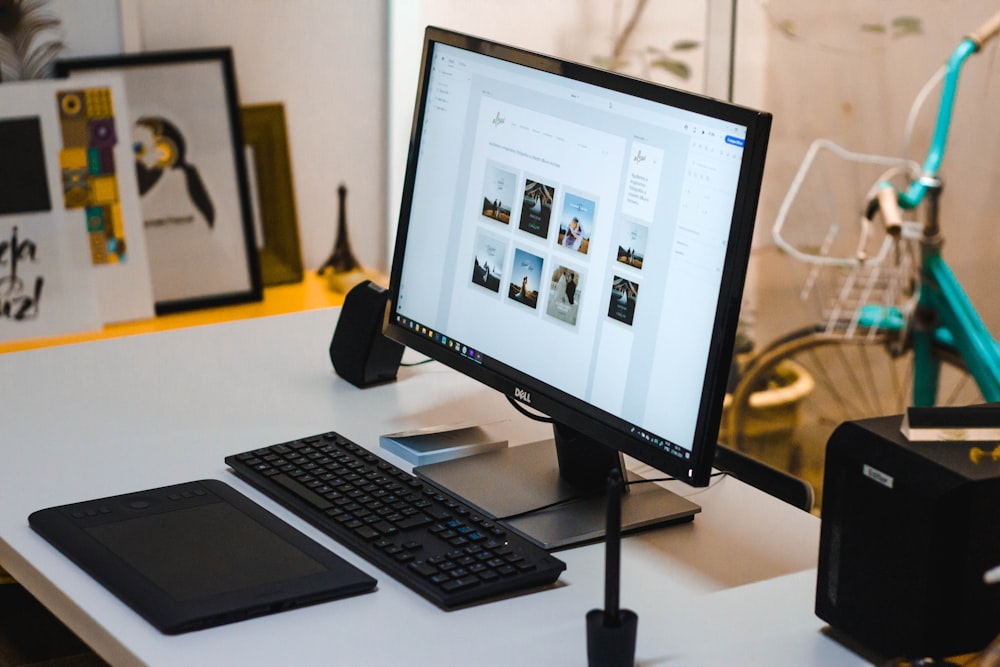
<point>432,542</point>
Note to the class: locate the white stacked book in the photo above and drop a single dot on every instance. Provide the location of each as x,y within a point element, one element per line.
<point>434,444</point>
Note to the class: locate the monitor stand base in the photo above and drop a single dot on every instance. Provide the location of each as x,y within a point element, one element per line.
<point>516,480</point>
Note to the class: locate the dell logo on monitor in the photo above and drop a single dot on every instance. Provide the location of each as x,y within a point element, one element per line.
<point>522,395</point>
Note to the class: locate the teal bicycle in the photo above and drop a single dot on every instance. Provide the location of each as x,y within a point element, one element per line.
<point>896,327</point>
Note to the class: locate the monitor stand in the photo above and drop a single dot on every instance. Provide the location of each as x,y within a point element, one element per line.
<point>514,481</point>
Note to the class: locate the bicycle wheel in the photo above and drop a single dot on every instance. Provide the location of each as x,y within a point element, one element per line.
<point>795,392</point>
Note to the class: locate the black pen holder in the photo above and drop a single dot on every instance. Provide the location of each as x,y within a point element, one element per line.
<point>611,645</point>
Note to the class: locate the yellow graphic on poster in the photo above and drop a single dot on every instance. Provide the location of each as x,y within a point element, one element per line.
<point>89,179</point>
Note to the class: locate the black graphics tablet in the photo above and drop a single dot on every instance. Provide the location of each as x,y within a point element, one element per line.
<point>195,555</point>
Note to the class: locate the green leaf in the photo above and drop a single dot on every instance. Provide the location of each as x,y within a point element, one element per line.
<point>873,27</point>
<point>609,63</point>
<point>907,25</point>
<point>675,67</point>
<point>788,27</point>
<point>908,22</point>
<point>685,45</point>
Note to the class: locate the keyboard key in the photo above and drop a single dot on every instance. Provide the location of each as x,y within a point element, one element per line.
<point>423,568</point>
<point>367,532</point>
<point>302,492</point>
<point>458,584</point>
<point>413,521</point>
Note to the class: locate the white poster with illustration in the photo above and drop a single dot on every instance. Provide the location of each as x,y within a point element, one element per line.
<point>72,253</point>
<point>190,167</point>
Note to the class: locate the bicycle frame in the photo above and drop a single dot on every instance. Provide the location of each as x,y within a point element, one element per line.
<point>945,315</point>
<point>944,312</point>
<point>942,294</point>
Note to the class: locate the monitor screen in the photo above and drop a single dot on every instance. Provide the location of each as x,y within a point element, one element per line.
<point>578,240</point>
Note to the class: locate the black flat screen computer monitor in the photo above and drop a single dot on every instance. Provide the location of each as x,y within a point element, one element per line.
<point>578,240</point>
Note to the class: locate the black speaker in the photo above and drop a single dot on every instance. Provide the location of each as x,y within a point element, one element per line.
<point>908,530</point>
<point>359,352</point>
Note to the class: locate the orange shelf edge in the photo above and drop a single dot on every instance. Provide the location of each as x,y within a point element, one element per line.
<point>313,292</point>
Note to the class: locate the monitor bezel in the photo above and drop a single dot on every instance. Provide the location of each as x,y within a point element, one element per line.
<point>559,405</point>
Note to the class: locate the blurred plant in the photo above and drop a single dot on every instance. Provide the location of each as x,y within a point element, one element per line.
<point>899,26</point>
<point>652,57</point>
<point>24,52</point>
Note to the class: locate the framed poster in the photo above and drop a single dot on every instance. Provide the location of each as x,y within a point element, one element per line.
<point>192,176</point>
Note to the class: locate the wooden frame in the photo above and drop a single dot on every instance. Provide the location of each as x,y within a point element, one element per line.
<point>265,134</point>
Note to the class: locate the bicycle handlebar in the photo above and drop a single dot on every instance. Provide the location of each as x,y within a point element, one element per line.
<point>935,154</point>
<point>886,198</point>
<point>892,214</point>
<point>985,32</point>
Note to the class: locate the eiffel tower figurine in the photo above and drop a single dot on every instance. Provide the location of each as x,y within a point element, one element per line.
<point>342,259</point>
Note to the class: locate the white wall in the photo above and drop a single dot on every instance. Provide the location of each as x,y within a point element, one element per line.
<point>326,62</point>
<point>346,71</point>
<point>578,30</point>
<point>88,28</point>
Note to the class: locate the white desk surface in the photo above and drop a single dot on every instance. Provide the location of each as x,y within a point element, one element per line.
<point>97,419</point>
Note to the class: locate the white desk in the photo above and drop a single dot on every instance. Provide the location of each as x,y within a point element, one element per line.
<point>107,417</point>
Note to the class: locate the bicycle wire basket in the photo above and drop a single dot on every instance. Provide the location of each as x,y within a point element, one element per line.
<point>858,276</point>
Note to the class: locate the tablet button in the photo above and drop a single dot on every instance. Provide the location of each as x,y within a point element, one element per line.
<point>139,504</point>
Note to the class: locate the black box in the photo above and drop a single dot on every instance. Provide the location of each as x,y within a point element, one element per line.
<point>908,530</point>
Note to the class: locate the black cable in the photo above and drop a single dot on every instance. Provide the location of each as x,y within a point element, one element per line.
<point>557,503</point>
<point>416,363</point>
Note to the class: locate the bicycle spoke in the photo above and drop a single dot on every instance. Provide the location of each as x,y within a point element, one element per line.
<point>849,380</point>
<point>824,378</point>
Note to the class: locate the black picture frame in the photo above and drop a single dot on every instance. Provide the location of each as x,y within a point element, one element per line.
<point>191,166</point>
